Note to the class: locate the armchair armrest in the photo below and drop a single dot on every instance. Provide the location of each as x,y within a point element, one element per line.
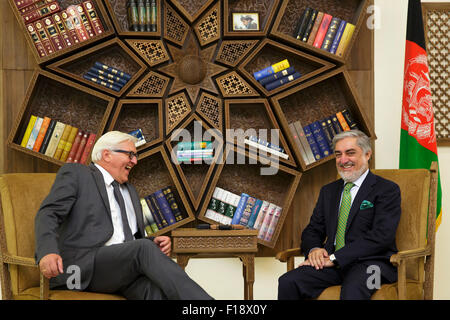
<point>283,256</point>
<point>400,256</point>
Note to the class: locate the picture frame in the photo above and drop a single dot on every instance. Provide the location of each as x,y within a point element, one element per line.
<point>245,21</point>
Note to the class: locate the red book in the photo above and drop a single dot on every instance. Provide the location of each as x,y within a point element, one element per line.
<point>55,37</point>
<point>88,148</point>
<point>322,30</point>
<point>70,28</point>
<point>36,40</point>
<point>34,6</point>
<point>75,146</point>
<point>75,18</point>
<point>81,147</point>
<point>41,12</point>
<point>24,3</point>
<point>43,36</point>
<point>93,17</point>
<point>60,25</point>
<point>85,20</point>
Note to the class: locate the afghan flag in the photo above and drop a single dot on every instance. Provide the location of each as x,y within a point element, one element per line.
<point>418,146</point>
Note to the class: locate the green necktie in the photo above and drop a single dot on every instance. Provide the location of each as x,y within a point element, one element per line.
<point>346,204</point>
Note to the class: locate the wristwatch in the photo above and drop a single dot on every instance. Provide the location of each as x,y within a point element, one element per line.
<point>334,260</point>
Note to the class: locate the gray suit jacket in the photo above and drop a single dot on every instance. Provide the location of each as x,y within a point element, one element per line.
<point>74,220</point>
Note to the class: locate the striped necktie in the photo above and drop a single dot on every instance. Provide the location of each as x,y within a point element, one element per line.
<point>346,204</point>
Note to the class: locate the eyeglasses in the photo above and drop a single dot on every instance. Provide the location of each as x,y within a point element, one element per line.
<point>130,154</point>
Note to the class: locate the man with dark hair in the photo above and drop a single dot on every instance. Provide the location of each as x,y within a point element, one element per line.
<point>248,23</point>
<point>351,231</point>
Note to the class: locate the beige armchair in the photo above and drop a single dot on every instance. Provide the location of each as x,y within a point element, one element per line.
<point>415,238</point>
<point>21,196</point>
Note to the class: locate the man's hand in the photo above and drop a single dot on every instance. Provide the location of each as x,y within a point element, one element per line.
<point>51,265</point>
<point>164,244</point>
<point>318,258</point>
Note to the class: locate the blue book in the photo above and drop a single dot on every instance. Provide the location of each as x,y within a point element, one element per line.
<point>277,83</point>
<point>277,75</point>
<point>254,214</point>
<point>164,207</point>
<point>312,142</point>
<point>155,213</point>
<point>247,211</point>
<point>277,67</point>
<point>105,79</point>
<point>112,70</point>
<point>320,139</point>
<point>327,131</point>
<point>105,74</point>
<point>338,36</point>
<point>101,82</point>
<point>240,208</point>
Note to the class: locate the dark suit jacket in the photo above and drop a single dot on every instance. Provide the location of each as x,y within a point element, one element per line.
<point>74,220</point>
<point>370,232</point>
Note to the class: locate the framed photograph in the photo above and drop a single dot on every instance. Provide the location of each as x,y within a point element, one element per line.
<point>245,21</point>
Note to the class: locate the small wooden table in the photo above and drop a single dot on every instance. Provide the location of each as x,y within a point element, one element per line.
<point>191,242</point>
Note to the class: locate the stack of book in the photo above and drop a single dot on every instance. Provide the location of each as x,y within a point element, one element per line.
<point>142,15</point>
<point>324,31</point>
<point>139,136</point>
<point>315,140</point>
<point>160,210</point>
<point>276,75</point>
<point>265,146</point>
<point>52,29</point>
<point>194,151</point>
<point>228,208</point>
<point>58,140</point>
<point>107,76</point>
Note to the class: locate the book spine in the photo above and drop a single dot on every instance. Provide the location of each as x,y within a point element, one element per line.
<point>247,211</point>
<point>261,215</point>
<point>141,15</point>
<point>336,125</point>
<point>41,12</point>
<point>69,144</point>
<point>315,28</point>
<point>62,142</point>
<point>70,28</point>
<point>170,197</point>
<point>88,148</point>
<point>54,140</point>
<point>349,118</point>
<point>330,126</point>
<point>277,67</point>
<point>34,133</point>
<point>112,70</point>
<point>304,141</point>
<point>232,200</point>
<point>319,136</point>
<point>104,79</point>
<point>240,208</point>
<point>222,206</point>
<point>346,38</point>
<point>322,30</point>
<point>101,82</point>
<point>312,142</point>
<point>24,3</point>
<point>326,132</point>
<point>266,149</point>
<point>48,135</point>
<point>310,25</point>
<point>133,15</point>
<point>254,214</point>
<point>36,40</point>
<point>278,83</point>
<point>298,143</point>
<point>273,224</point>
<point>154,16</point>
<point>331,33</point>
<point>80,150</point>
<point>164,207</point>
<point>55,37</point>
<point>153,212</point>
<point>158,211</point>
<point>266,222</point>
<point>303,23</point>
<point>105,74</point>
<point>44,37</point>
<point>77,22</point>
<point>34,6</point>
<point>148,15</point>
<point>75,146</point>
<point>28,130</point>
<point>138,134</point>
<point>41,134</point>
<point>85,20</point>
<point>338,37</point>
<point>62,29</point>
<point>276,76</point>
<point>194,145</point>
<point>148,217</point>
<point>213,205</point>
<point>92,15</point>
<point>342,121</point>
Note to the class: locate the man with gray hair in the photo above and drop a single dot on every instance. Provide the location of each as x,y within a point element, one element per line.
<point>92,219</point>
<point>352,229</point>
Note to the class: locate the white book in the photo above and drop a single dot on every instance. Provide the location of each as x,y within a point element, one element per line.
<point>267,149</point>
<point>34,133</point>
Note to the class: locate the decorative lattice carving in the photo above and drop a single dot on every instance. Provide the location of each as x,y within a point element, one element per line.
<point>175,28</point>
<point>152,85</point>
<point>216,243</point>
<point>231,52</point>
<point>210,108</point>
<point>152,51</point>
<point>208,28</point>
<point>177,108</point>
<point>232,85</point>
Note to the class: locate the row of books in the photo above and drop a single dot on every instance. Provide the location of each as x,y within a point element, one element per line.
<point>265,146</point>
<point>315,140</point>
<point>142,15</point>
<point>276,75</point>
<point>52,29</point>
<point>228,208</point>
<point>160,210</point>
<point>57,140</point>
<point>107,76</point>
<point>194,151</point>
<point>324,31</point>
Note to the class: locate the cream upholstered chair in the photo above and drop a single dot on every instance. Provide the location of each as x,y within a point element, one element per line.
<point>415,238</point>
<point>21,196</point>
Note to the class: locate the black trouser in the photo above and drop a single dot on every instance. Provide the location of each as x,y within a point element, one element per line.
<point>139,270</point>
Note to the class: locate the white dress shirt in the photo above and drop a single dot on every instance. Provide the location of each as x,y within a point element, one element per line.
<point>118,236</point>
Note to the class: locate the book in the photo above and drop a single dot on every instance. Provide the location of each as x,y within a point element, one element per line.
<point>92,15</point>
<point>133,15</point>
<point>284,64</point>
<point>303,23</point>
<point>85,20</point>
<point>101,82</point>
<point>349,118</point>
<point>326,131</point>
<point>164,207</point>
<point>277,75</point>
<point>153,212</point>
<point>62,142</point>
<point>266,149</point>
<point>75,146</point>
<point>158,213</point>
<point>112,70</point>
<point>321,141</point>
<point>88,148</point>
<point>153,16</point>
<point>304,141</point>
<point>342,121</point>
<point>195,145</point>
<point>247,211</point>
<point>213,205</point>
<point>70,28</point>
<point>298,143</point>
<point>170,197</point>
<point>61,26</point>
<point>335,123</point>
<point>322,31</point>
<point>266,222</point>
<point>28,130</point>
<point>48,135</point>
<point>68,146</point>
<point>309,26</point>
<point>56,39</point>
<point>279,82</point>
<point>44,38</point>
<point>35,5</point>
<point>34,133</point>
<point>312,142</point>
<point>148,217</point>
<point>254,213</point>
<point>105,74</point>
<point>222,206</point>
<point>77,22</point>
<point>54,139</point>
<point>41,134</point>
<point>107,80</point>
<point>233,201</point>
<point>41,12</point>
<point>331,33</point>
<point>80,150</point>
<point>315,28</point>
<point>24,3</point>
<point>240,208</point>
<point>148,15</point>
<point>261,215</point>
<point>345,39</point>
<point>140,136</point>
<point>141,15</point>
<point>36,40</point>
<point>338,36</point>
<point>273,224</point>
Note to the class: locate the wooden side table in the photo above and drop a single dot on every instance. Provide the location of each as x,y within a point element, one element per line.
<point>191,242</point>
